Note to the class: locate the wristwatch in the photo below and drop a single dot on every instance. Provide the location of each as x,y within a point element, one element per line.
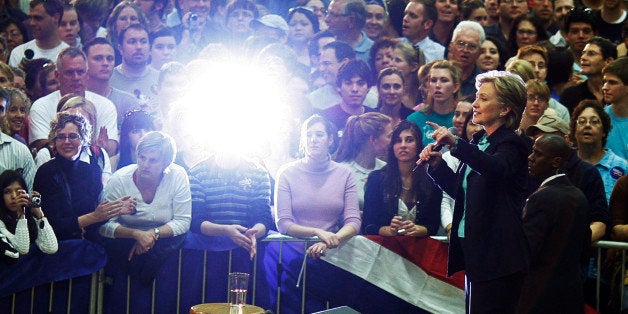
<point>157,233</point>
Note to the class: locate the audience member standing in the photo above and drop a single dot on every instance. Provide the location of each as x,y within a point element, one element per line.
<point>589,130</point>
<point>448,15</point>
<point>418,20</point>
<point>509,10</point>
<point>579,29</point>
<point>538,58</point>
<point>13,154</point>
<point>610,20</point>
<point>100,62</point>
<point>346,20</point>
<point>561,8</point>
<point>45,16</point>
<point>444,88</point>
<point>554,220</point>
<point>332,57</point>
<point>352,84</point>
<point>543,11</point>
<point>69,26</point>
<point>597,53</point>
<point>72,75</point>
<point>465,49</point>
<point>615,90</point>
<point>134,75</point>
<point>92,14</point>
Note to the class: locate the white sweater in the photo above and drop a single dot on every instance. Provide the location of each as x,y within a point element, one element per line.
<point>46,240</point>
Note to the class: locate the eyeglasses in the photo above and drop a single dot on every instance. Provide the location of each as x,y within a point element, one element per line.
<point>592,121</point>
<point>536,98</point>
<point>73,137</point>
<point>461,45</point>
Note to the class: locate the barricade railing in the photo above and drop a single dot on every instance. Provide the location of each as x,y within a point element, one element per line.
<point>622,246</point>
<point>277,237</point>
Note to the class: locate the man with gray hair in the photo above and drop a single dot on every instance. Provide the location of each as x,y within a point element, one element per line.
<point>464,48</point>
<point>346,20</point>
<point>72,75</point>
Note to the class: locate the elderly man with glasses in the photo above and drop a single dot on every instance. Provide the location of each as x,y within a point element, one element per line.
<point>465,48</point>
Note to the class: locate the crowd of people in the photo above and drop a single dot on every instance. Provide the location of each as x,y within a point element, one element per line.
<point>502,124</point>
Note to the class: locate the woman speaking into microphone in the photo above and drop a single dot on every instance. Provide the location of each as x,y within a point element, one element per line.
<point>487,239</point>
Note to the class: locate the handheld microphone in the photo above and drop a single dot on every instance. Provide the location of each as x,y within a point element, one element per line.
<point>438,147</point>
<point>452,130</point>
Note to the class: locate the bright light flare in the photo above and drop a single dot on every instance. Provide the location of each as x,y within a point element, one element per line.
<point>233,107</point>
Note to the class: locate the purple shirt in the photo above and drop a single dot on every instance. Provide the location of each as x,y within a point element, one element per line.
<point>316,194</point>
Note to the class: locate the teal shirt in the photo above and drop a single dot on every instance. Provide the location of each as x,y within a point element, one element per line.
<point>482,145</point>
<point>419,118</point>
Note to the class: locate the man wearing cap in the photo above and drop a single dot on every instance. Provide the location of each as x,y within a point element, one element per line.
<point>271,26</point>
<point>548,123</point>
<point>346,20</point>
<point>582,174</point>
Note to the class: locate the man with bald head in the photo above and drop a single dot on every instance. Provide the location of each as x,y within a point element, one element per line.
<point>554,220</point>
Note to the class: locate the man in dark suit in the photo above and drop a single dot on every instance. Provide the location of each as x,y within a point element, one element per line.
<point>554,221</point>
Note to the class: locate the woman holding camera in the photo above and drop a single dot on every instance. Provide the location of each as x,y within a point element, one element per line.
<point>22,221</point>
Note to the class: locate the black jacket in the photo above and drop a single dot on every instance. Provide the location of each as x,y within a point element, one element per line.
<point>380,207</point>
<point>494,244</point>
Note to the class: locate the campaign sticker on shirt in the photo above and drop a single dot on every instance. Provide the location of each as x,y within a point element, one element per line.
<point>616,172</point>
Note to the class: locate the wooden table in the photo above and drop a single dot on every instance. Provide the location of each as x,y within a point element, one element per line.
<point>223,308</point>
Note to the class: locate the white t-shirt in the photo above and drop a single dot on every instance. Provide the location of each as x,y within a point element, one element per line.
<point>18,52</point>
<point>44,111</point>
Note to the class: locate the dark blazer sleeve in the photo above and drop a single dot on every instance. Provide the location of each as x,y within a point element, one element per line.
<point>375,214</point>
<point>539,215</point>
<point>496,164</point>
<point>428,208</point>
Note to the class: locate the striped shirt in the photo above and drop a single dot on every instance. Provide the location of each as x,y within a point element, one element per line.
<point>239,196</point>
<point>15,155</point>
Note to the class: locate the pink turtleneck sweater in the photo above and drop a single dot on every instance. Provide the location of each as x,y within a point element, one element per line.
<point>313,193</point>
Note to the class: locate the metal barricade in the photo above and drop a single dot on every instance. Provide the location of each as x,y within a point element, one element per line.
<point>93,297</point>
<point>623,246</point>
<point>277,237</point>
